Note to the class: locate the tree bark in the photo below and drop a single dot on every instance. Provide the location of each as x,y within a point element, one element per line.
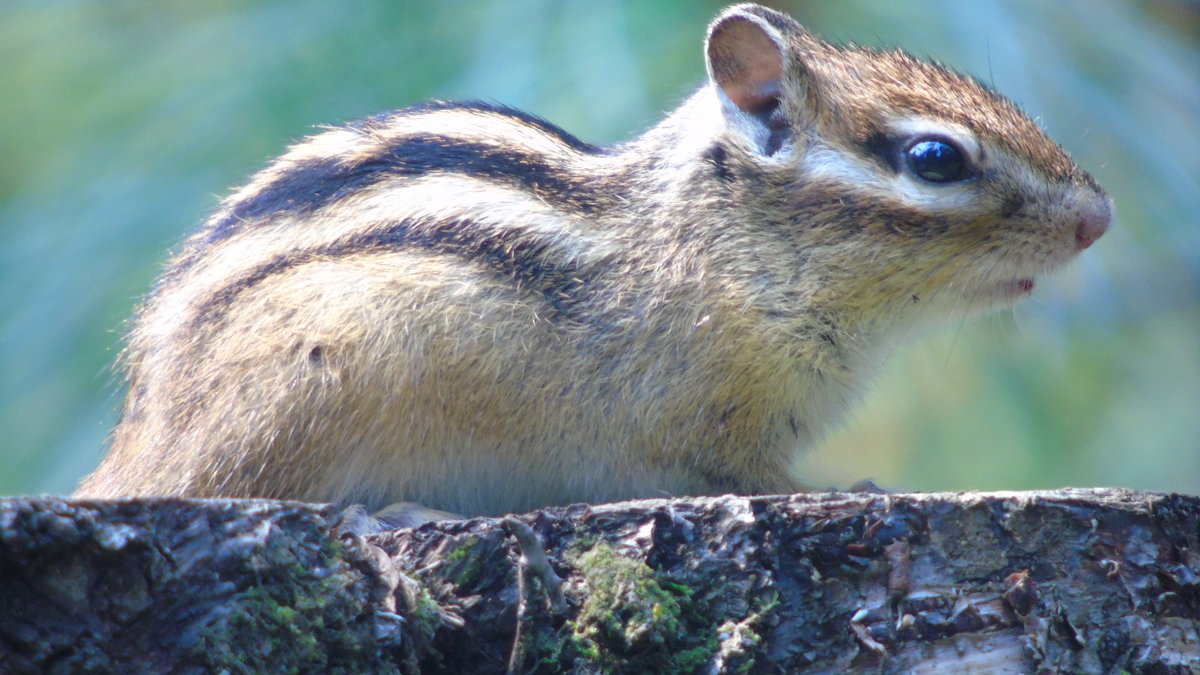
<point>1093,581</point>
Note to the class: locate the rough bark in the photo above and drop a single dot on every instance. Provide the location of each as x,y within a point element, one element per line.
<point>1094,581</point>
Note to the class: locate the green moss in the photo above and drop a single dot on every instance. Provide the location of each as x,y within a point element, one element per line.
<point>632,620</point>
<point>694,659</point>
<point>740,639</point>
<point>424,617</point>
<point>462,551</point>
<point>465,564</point>
<point>626,604</point>
<point>282,634</point>
<point>299,615</point>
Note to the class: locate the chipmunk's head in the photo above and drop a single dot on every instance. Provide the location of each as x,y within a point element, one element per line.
<point>935,189</point>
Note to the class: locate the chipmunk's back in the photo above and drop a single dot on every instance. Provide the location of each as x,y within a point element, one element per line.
<point>464,306</point>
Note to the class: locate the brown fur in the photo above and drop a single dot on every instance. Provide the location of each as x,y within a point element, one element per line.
<point>465,307</point>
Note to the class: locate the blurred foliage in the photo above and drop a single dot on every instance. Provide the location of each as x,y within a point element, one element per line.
<point>123,122</point>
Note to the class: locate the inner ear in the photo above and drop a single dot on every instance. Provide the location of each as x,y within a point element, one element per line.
<point>745,59</point>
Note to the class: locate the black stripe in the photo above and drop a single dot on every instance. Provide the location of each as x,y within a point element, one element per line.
<point>302,188</point>
<point>310,185</point>
<point>419,155</point>
<point>883,148</point>
<point>718,156</point>
<point>527,263</point>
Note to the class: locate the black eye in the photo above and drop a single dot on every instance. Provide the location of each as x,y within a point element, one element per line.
<point>936,161</point>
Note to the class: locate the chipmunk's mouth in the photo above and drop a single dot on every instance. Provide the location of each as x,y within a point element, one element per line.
<point>998,293</point>
<point>1022,286</point>
<point>1015,289</point>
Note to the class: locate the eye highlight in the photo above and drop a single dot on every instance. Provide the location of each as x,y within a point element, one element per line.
<point>936,160</point>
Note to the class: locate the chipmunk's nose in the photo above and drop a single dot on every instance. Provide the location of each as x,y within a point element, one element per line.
<point>1093,224</point>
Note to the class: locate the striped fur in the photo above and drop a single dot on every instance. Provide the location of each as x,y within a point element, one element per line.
<point>463,305</point>
<point>527,264</point>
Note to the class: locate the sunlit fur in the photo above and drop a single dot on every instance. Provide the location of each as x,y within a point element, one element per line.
<point>463,306</point>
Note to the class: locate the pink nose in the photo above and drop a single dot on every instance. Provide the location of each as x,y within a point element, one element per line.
<point>1091,227</point>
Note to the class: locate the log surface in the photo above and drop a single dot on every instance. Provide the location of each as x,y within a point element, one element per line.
<point>1091,581</point>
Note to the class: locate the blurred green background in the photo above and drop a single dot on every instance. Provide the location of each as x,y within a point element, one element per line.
<point>122,123</point>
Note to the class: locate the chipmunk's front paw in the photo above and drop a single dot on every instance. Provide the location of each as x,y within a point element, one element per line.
<point>356,519</point>
<point>868,486</point>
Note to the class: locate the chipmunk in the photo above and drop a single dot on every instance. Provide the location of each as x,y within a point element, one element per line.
<point>464,306</point>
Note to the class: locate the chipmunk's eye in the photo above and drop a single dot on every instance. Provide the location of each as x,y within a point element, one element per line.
<point>936,161</point>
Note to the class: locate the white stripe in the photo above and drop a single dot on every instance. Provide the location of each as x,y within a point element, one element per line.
<point>477,126</point>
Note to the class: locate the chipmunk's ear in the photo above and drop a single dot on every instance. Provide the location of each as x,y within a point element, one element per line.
<point>748,61</point>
